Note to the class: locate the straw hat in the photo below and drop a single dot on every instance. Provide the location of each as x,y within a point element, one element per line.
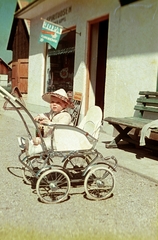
<point>60,93</point>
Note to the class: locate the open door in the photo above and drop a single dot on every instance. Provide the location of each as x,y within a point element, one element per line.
<point>97,60</point>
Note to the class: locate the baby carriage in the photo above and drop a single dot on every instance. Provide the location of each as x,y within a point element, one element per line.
<point>58,163</point>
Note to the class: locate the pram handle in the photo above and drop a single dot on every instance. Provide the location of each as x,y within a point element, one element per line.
<point>6,93</point>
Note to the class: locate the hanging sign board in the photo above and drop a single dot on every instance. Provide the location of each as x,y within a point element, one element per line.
<point>50,33</point>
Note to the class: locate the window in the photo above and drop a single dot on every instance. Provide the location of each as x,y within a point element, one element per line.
<point>61,70</point>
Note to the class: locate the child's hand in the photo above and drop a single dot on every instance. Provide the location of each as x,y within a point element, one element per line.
<point>36,141</point>
<point>39,119</point>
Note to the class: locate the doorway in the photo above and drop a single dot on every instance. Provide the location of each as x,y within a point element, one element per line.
<point>97,60</point>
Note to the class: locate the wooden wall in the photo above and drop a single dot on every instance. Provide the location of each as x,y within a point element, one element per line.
<point>20,45</point>
<point>3,68</point>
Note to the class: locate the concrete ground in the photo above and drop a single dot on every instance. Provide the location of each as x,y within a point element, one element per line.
<point>129,213</point>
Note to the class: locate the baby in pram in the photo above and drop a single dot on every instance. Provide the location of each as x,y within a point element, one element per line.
<point>59,102</point>
<point>65,139</point>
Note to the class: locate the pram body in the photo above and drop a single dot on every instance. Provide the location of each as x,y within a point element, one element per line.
<point>68,157</point>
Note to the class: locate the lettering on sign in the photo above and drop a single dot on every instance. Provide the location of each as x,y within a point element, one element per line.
<point>60,16</point>
<point>52,28</point>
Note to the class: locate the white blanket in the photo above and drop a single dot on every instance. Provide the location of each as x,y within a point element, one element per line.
<point>64,140</point>
<point>146,130</point>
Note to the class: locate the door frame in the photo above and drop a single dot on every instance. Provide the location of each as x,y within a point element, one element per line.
<point>90,97</point>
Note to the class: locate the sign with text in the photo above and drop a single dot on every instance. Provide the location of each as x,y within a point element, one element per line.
<point>50,33</point>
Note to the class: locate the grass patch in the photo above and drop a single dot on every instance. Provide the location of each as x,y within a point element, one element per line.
<point>11,233</point>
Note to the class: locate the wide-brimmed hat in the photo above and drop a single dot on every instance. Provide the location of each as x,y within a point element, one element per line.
<point>60,93</point>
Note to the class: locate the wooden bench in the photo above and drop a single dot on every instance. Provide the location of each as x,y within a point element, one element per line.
<point>146,110</point>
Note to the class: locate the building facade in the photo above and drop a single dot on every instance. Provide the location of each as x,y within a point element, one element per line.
<point>108,51</point>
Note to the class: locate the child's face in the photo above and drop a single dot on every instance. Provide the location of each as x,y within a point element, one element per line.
<point>57,104</point>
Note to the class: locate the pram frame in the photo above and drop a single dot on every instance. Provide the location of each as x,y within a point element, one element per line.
<point>49,154</point>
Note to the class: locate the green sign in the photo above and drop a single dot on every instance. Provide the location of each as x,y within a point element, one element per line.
<point>50,33</point>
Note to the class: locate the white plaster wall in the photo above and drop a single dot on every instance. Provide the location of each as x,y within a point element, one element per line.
<point>132,63</point>
<point>36,72</point>
<point>3,80</point>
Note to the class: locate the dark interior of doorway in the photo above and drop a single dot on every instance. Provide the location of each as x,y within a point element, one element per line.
<point>125,2</point>
<point>101,63</point>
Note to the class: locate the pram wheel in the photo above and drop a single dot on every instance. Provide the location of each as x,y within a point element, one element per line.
<point>99,182</point>
<point>35,163</point>
<point>53,186</point>
<point>76,163</point>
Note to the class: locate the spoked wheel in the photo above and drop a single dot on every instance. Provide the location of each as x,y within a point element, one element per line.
<point>35,163</point>
<point>76,163</point>
<point>53,186</point>
<point>99,182</point>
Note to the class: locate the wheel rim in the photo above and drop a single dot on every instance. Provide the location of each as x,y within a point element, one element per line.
<point>35,163</point>
<point>76,164</point>
<point>53,186</point>
<point>99,182</point>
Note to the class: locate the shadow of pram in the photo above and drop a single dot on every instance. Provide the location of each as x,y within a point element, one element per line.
<point>15,171</point>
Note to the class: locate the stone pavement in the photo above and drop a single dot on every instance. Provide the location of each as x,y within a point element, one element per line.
<point>137,160</point>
